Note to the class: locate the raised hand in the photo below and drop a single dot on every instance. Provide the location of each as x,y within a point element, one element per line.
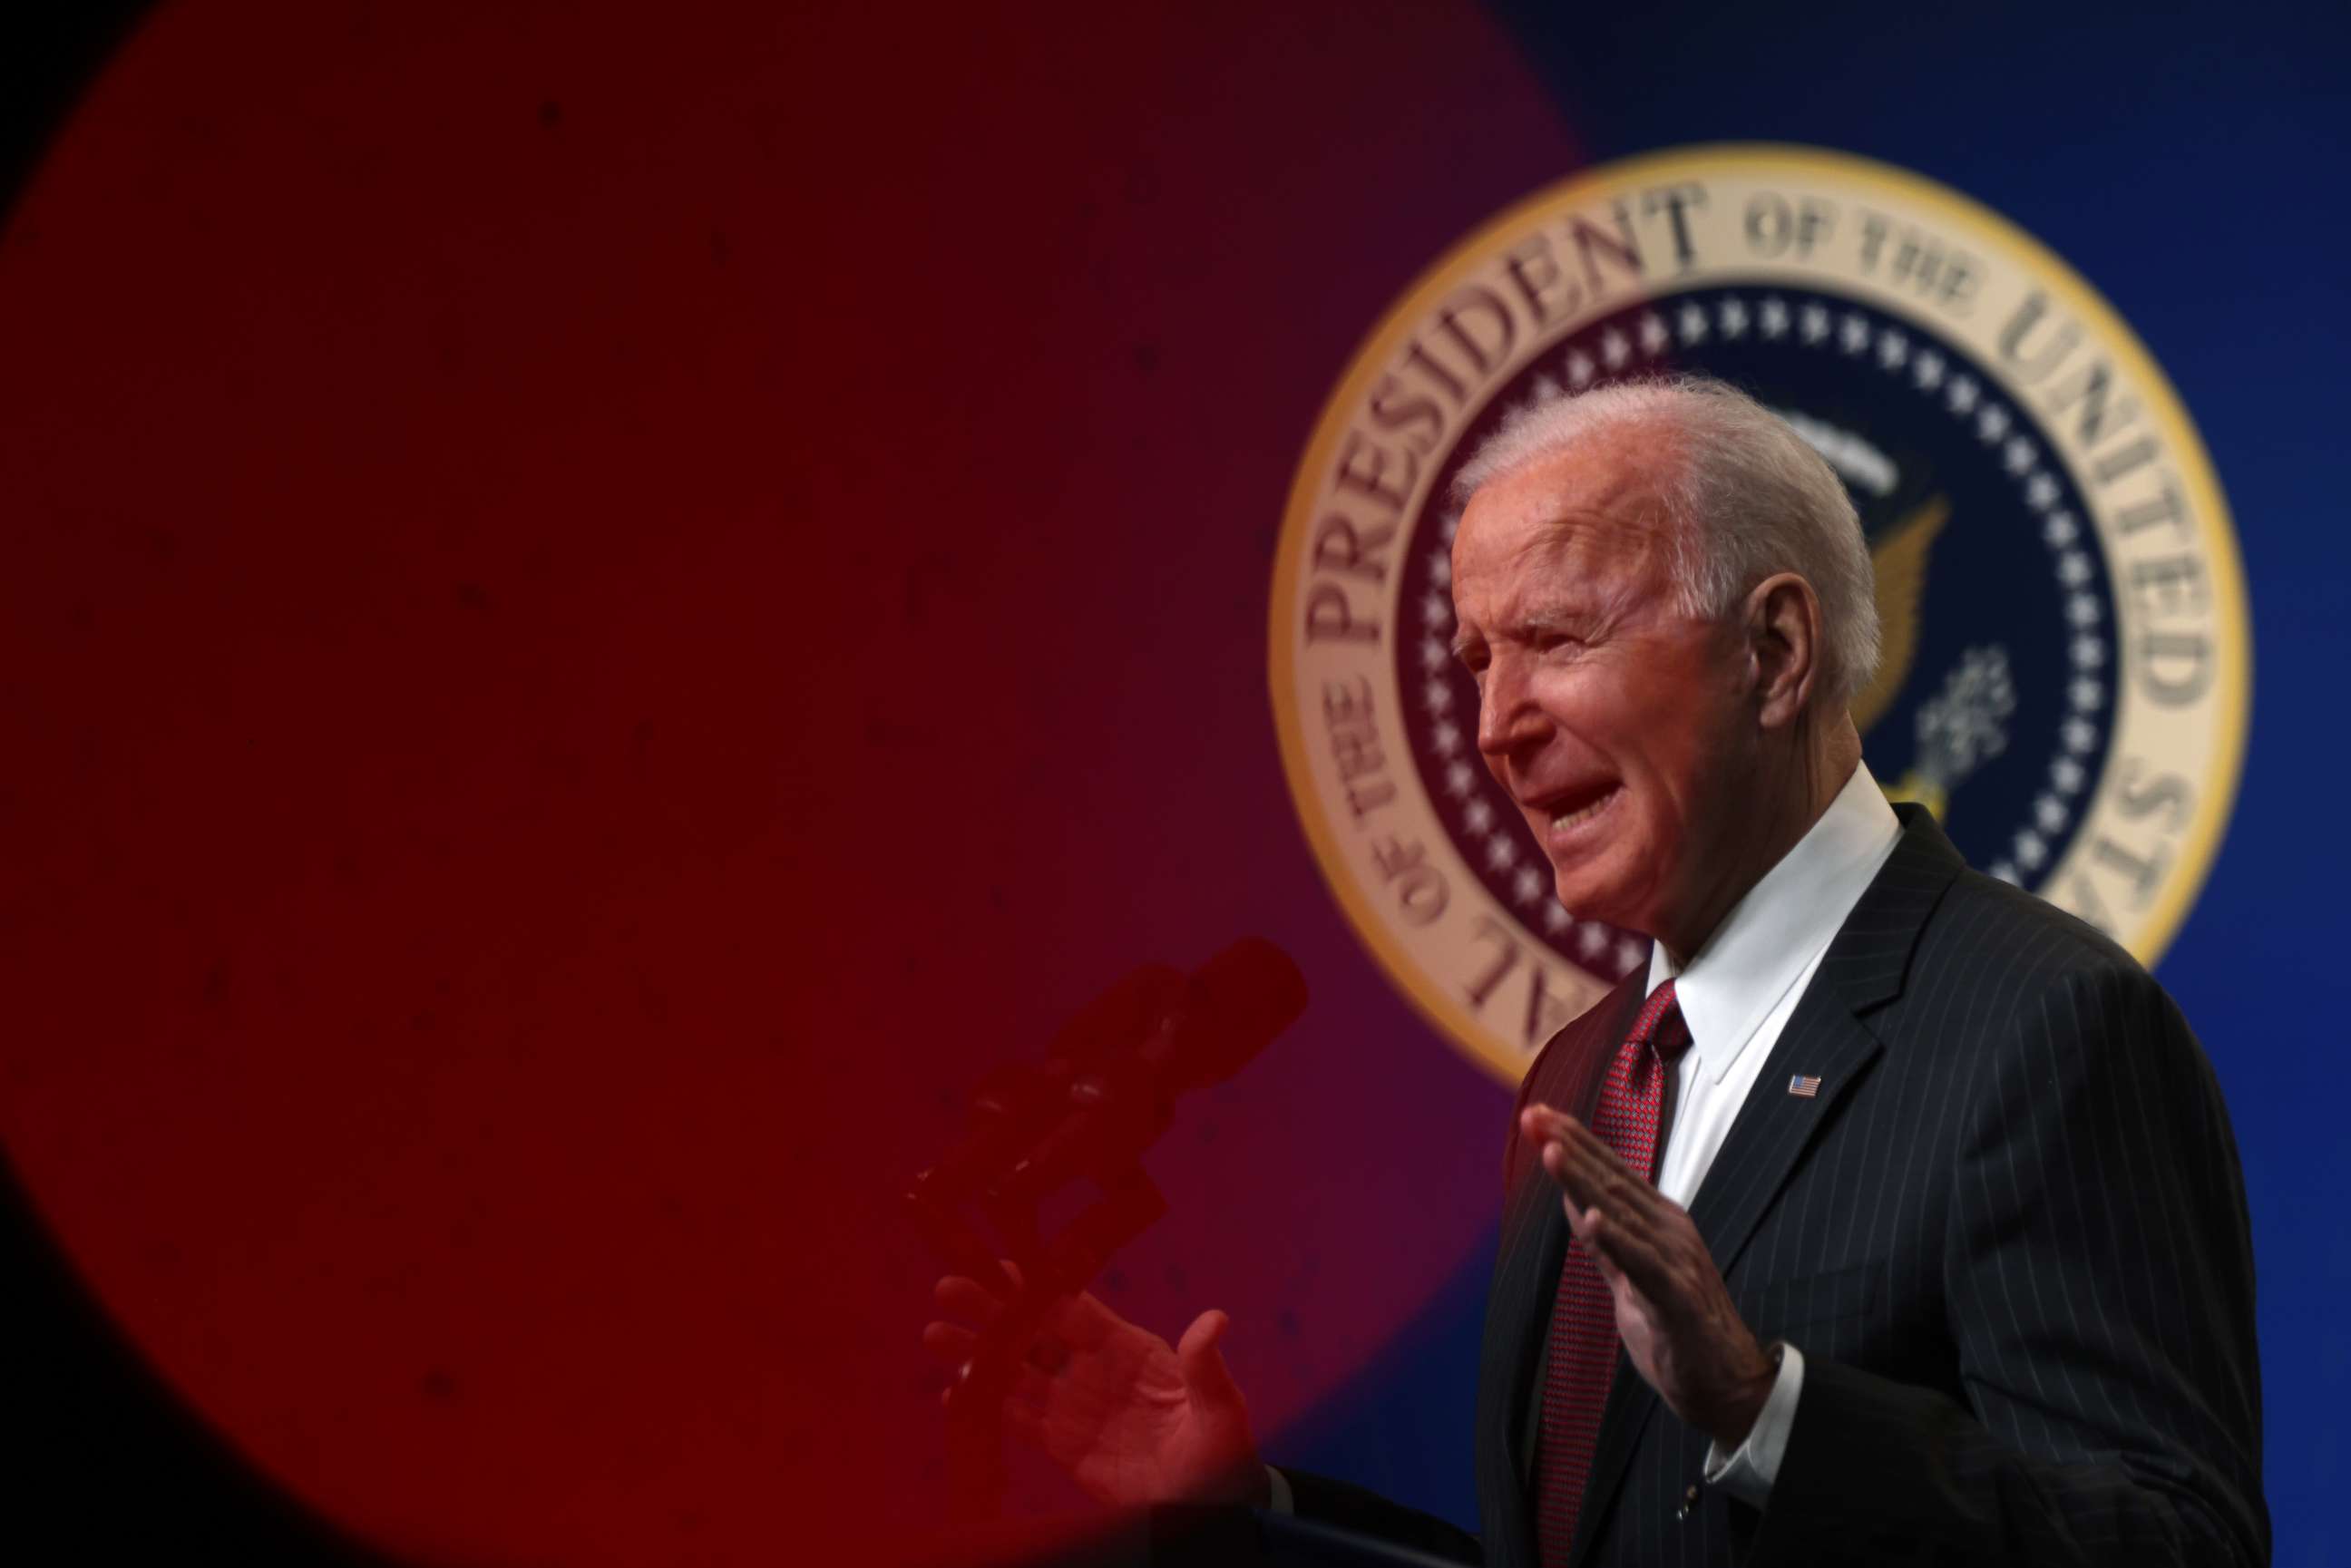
<point>1133,1421</point>
<point>1673,1311</point>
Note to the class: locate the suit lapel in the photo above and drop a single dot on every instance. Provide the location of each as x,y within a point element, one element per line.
<point>1825,1038</point>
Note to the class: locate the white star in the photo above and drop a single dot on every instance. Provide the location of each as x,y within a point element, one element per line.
<point>2041,490</point>
<point>1963,395</point>
<point>1815,323</point>
<point>2082,608</point>
<point>1450,527</point>
<point>1613,348</point>
<point>2030,849</point>
<point>1928,368</point>
<point>1629,953</point>
<point>1853,335</point>
<point>2018,455</point>
<point>1579,367</point>
<point>1438,695</point>
<point>2085,694</point>
<point>2073,569</point>
<point>1589,939</point>
<point>1991,423</point>
<point>2059,530</point>
<point>2050,813</point>
<point>1440,568</point>
<point>1773,317</point>
<point>2067,774</point>
<point>1653,336</point>
<point>1526,887</point>
<point>2080,735</point>
<point>1733,317</point>
<point>1500,855</point>
<point>2006,871</point>
<point>1446,738</point>
<point>1433,653</point>
<point>1437,610</point>
<point>1460,779</point>
<point>1691,323</point>
<point>2088,653</point>
<point>1478,815</point>
<point>1893,348</point>
<point>1556,919</point>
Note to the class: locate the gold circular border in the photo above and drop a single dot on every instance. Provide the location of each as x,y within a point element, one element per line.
<point>2201,842</point>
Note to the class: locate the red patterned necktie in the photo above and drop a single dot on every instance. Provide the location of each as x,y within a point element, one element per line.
<point>1583,1352</point>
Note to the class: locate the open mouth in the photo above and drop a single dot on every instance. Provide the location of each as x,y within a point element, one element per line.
<point>1572,809</point>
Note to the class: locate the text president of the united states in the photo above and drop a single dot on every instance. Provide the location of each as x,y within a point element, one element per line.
<point>1889,1215</point>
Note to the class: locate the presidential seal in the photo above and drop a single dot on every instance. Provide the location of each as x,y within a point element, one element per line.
<point>2066,669</point>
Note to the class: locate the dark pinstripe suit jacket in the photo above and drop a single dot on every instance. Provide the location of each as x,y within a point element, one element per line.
<point>2009,1235</point>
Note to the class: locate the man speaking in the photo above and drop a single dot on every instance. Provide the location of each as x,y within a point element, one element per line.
<point>1890,1215</point>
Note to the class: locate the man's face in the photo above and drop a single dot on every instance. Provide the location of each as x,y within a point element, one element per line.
<point>1621,726</point>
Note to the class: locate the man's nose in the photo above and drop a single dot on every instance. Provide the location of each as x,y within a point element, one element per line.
<point>1507,719</point>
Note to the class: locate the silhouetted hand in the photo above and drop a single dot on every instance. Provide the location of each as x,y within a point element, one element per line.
<point>1133,1421</point>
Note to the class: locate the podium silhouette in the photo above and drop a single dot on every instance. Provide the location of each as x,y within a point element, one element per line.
<point>1187,1536</point>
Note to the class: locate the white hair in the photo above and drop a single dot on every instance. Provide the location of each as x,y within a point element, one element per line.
<point>1747,497</point>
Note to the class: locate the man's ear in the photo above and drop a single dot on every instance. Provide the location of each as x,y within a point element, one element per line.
<point>1783,639</point>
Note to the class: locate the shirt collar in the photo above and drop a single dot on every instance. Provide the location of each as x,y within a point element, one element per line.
<point>1784,922</point>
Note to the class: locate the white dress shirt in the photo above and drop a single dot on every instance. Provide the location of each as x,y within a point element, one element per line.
<point>1737,993</point>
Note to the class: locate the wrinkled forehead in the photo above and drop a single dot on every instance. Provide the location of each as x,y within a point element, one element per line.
<point>1595,510</point>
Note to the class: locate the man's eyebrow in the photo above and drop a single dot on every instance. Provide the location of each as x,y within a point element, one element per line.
<point>1462,643</point>
<point>1550,614</point>
<point>1535,620</point>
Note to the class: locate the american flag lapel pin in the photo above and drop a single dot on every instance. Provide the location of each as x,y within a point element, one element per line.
<point>1803,1088</point>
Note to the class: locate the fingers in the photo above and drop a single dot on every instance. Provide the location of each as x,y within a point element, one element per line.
<point>1585,1224</point>
<point>1082,1323</point>
<point>949,1344</point>
<point>967,1299</point>
<point>1067,1326</point>
<point>1548,1126</point>
<point>1202,1336</point>
<point>953,1348</point>
<point>983,1301</point>
<point>1585,1185</point>
<point>1623,1256</point>
<point>1202,1364</point>
<point>990,1286</point>
<point>952,1345</point>
<point>1622,1221</point>
<point>1588,1169</point>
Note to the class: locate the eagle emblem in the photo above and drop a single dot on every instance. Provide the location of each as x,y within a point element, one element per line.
<point>1963,726</point>
<point>1899,561</point>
